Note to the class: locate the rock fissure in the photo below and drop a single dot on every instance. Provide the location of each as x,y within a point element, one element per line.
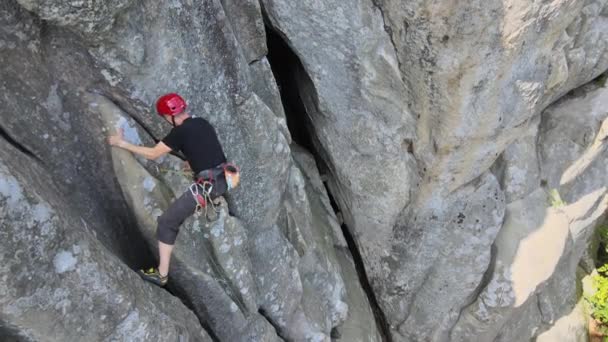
<point>448,250</point>
<point>288,71</point>
<point>10,334</point>
<point>389,32</point>
<point>286,67</point>
<point>485,280</point>
<point>8,138</point>
<point>381,321</point>
<point>268,319</point>
<point>224,279</point>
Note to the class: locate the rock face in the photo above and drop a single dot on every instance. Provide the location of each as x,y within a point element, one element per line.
<point>467,174</point>
<point>476,77</point>
<point>78,71</point>
<point>523,297</point>
<point>60,283</point>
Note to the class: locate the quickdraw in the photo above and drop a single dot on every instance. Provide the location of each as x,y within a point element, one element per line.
<point>201,192</point>
<point>202,188</point>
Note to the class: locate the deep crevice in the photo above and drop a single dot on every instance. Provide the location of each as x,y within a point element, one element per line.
<point>4,134</point>
<point>389,31</point>
<point>381,322</point>
<point>264,314</point>
<point>287,69</point>
<point>9,333</point>
<point>293,82</point>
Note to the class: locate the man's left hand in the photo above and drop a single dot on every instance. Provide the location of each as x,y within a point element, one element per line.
<point>117,139</point>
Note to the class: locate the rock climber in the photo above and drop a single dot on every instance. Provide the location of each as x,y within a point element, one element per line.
<point>197,140</point>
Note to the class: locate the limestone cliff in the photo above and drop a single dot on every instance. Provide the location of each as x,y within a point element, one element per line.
<point>411,170</point>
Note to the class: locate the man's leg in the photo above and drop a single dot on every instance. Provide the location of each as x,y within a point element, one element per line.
<point>164,251</point>
<point>166,233</point>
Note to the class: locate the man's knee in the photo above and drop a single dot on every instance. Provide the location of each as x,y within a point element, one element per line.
<point>167,229</point>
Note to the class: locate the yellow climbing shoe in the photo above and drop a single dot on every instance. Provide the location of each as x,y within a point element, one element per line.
<point>152,275</point>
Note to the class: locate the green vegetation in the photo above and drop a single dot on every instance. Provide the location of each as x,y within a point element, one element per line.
<point>555,199</point>
<point>596,293</point>
<point>598,300</point>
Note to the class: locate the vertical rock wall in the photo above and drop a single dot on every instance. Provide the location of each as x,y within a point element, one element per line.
<point>444,131</point>
<point>75,72</point>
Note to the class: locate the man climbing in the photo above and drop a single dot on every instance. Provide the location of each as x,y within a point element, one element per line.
<point>197,140</point>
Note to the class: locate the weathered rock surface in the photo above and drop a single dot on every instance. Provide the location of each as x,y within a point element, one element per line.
<point>476,75</point>
<point>353,93</point>
<point>59,283</point>
<point>435,125</point>
<point>570,328</point>
<point>533,279</point>
<point>85,87</point>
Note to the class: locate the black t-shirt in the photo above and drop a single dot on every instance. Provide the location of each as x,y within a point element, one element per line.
<point>197,140</point>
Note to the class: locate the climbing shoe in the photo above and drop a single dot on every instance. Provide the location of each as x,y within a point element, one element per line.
<point>152,275</point>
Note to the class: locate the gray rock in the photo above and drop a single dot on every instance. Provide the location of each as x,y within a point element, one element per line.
<point>86,17</point>
<point>518,168</point>
<point>477,76</point>
<point>59,283</point>
<point>360,324</point>
<point>338,284</point>
<point>248,26</point>
<point>445,238</point>
<point>264,159</point>
<point>354,96</point>
<point>523,298</point>
<point>478,71</point>
<point>426,119</point>
<point>55,124</point>
<point>569,328</point>
<point>279,284</point>
<point>265,86</point>
<point>572,143</point>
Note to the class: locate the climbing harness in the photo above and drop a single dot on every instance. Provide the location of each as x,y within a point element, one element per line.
<point>201,191</point>
<point>202,188</point>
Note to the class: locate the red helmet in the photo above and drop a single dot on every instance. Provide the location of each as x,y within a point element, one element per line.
<point>170,104</point>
